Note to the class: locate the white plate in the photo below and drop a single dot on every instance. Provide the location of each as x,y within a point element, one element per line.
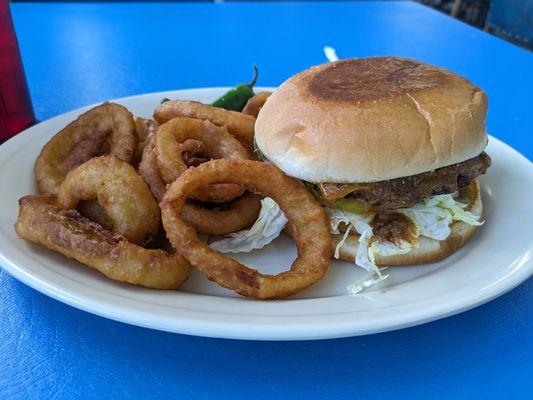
<point>498,258</point>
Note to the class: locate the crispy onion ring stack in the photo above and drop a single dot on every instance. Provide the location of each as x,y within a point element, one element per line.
<point>182,140</point>
<point>238,124</point>
<point>198,165</point>
<point>308,218</point>
<point>165,158</point>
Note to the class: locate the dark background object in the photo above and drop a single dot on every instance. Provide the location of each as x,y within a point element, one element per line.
<point>473,12</point>
<point>16,111</point>
<point>512,20</point>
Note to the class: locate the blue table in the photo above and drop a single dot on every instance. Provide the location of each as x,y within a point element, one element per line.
<point>77,54</point>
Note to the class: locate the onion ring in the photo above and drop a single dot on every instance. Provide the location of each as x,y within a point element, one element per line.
<point>311,228</point>
<point>150,172</point>
<point>122,193</point>
<point>86,137</point>
<point>66,231</point>
<point>235,216</point>
<point>181,136</point>
<point>239,214</point>
<point>145,128</point>
<point>254,105</point>
<point>239,125</point>
<point>95,212</point>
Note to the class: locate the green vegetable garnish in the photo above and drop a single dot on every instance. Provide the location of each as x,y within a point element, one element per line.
<point>351,206</point>
<point>164,100</point>
<point>236,98</point>
<point>346,205</point>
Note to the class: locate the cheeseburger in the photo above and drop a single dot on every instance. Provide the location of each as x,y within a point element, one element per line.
<point>392,148</point>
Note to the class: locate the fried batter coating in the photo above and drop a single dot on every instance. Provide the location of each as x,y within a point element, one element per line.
<point>182,139</point>
<point>237,215</point>
<point>307,216</point>
<point>120,190</point>
<point>107,124</point>
<point>254,105</point>
<point>238,124</point>
<point>145,128</point>
<point>41,221</point>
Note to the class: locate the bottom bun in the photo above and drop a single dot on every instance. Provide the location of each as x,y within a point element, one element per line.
<point>429,250</point>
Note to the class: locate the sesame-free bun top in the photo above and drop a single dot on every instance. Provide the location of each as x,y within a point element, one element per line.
<point>371,119</point>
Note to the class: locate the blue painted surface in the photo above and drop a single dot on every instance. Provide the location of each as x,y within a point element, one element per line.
<point>76,54</point>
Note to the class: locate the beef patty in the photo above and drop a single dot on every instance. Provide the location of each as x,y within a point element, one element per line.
<point>407,191</point>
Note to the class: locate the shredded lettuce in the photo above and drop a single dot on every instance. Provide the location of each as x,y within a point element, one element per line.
<point>359,223</point>
<point>433,216</point>
<point>367,281</point>
<point>389,249</point>
<point>365,257</point>
<point>266,228</point>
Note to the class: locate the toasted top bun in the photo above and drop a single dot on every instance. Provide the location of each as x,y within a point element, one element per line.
<point>429,250</point>
<point>371,119</point>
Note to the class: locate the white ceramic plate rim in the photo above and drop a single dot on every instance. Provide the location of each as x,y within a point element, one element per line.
<point>251,324</point>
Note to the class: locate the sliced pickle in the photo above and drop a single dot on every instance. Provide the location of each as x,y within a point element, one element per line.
<point>351,205</point>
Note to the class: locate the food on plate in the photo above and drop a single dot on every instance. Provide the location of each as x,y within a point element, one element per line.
<point>238,124</point>
<point>311,228</point>
<point>145,128</point>
<point>120,191</point>
<point>236,98</point>
<point>373,160</point>
<point>95,212</point>
<point>41,221</point>
<point>107,128</point>
<point>254,105</point>
<point>391,147</point>
<point>149,170</point>
<point>392,225</point>
<point>268,225</point>
<point>409,190</point>
<point>184,142</point>
<point>213,219</point>
<point>223,219</point>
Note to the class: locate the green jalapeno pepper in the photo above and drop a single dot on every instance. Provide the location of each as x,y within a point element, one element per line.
<point>236,98</point>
